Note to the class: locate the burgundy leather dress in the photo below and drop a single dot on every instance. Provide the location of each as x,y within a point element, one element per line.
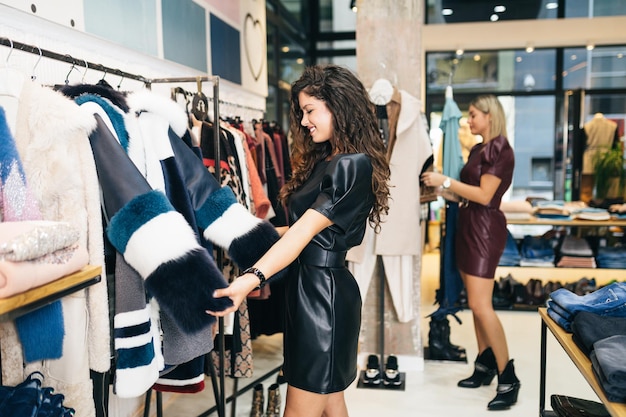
<point>481,230</point>
<point>323,305</point>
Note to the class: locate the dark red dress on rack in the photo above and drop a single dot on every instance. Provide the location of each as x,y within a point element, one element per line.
<point>481,230</point>
<point>323,305</point>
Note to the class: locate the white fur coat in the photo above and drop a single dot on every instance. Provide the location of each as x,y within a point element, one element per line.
<point>52,139</point>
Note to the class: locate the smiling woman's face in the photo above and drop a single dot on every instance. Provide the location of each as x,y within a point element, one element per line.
<point>316,117</point>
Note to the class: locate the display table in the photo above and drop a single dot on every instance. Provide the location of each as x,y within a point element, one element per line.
<point>547,273</point>
<point>538,221</point>
<point>19,304</point>
<point>581,361</point>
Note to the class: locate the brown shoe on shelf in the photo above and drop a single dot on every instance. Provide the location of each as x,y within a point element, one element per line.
<point>257,401</point>
<point>273,401</point>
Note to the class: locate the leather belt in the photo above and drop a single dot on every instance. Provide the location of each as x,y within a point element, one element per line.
<point>316,256</point>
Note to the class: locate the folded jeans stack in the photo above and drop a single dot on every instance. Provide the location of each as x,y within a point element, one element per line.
<point>511,255</point>
<point>609,301</point>
<point>575,252</point>
<point>603,340</point>
<point>611,257</point>
<point>537,251</point>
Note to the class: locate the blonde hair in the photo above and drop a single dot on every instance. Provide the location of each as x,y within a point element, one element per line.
<point>489,104</point>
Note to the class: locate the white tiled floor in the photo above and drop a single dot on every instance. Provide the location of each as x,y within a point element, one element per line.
<point>432,392</point>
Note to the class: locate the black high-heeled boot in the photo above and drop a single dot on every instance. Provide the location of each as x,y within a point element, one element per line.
<point>485,369</point>
<point>508,388</point>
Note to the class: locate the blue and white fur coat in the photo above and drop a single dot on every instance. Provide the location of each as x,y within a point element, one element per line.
<point>164,208</point>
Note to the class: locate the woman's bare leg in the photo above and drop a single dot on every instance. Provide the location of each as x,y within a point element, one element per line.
<point>489,331</point>
<point>300,403</point>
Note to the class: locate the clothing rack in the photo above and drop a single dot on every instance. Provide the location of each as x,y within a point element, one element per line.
<point>215,81</point>
<point>186,93</point>
<point>69,59</point>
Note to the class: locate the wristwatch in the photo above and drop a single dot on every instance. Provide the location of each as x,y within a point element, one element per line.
<point>446,183</point>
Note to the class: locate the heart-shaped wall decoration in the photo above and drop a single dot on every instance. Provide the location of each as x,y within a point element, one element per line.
<point>254,45</point>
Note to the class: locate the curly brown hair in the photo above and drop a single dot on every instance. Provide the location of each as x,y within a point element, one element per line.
<point>355,131</point>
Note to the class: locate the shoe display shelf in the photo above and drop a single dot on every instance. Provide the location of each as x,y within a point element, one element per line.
<point>524,274</point>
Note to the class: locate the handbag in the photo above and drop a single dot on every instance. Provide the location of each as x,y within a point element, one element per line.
<point>427,194</point>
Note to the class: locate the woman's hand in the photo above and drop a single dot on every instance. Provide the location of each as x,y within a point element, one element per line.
<point>237,291</point>
<point>433,179</point>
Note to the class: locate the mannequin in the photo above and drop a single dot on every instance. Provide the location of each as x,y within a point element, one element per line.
<point>600,134</point>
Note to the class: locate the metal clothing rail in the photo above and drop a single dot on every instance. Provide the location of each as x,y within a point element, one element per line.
<point>14,45</point>
<point>188,93</point>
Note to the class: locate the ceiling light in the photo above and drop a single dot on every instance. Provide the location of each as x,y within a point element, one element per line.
<point>620,55</point>
<point>494,17</point>
<point>459,52</point>
<point>499,9</point>
<point>590,46</point>
<point>477,57</point>
<point>518,59</point>
<point>353,6</point>
<point>552,5</point>
<point>447,12</point>
<point>530,48</point>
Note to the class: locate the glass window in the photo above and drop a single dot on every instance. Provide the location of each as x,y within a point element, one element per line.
<point>586,8</point>
<point>292,60</point>
<point>457,11</point>
<point>541,171</point>
<point>513,70</point>
<point>530,129</point>
<point>272,65</point>
<point>601,67</point>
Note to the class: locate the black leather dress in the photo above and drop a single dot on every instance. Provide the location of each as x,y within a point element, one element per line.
<point>323,306</point>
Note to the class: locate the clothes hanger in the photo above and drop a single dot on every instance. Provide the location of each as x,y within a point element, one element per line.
<point>82,80</point>
<point>11,79</point>
<point>200,102</point>
<point>103,82</point>
<point>33,76</point>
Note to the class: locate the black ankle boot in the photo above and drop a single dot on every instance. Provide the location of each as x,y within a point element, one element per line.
<point>445,334</point>
<point>508,388</point>
<point>485,369</point>
<point>439,346</point>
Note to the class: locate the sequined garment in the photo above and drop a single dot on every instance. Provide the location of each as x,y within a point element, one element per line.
<point>40,240</point>
<point>16,200</point>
